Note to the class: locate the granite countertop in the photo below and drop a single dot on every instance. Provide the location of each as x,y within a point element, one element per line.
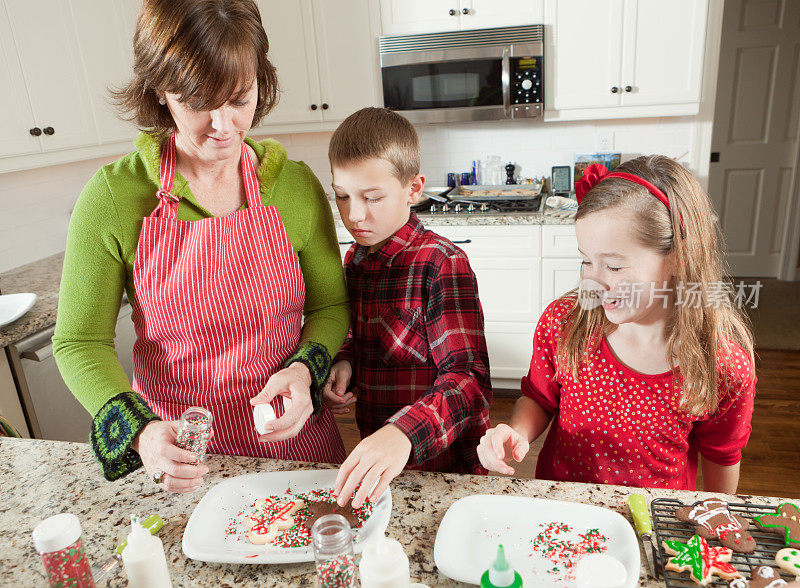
<point>42,478</point>
<point>43,278</point>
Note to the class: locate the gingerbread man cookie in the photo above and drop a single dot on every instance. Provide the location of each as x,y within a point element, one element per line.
<point>788,560</point>
<point>712,518</point>
<point>272,518</point>
<point>320,509</point>
<point>785,522</point>
<point>763,577</point>
<point>700,560</point>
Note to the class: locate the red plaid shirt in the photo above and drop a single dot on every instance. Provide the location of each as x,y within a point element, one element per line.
<point>417,347</point>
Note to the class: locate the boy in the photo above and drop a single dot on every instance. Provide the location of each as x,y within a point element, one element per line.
<point>416,352</point>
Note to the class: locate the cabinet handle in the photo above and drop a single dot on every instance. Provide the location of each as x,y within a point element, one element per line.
<point>465,11</point>
<point>346,242</point>
<point>325,106</point>
<point>461,242</point>
<point>614,89</point>
<point>628,89</point>
<point>313,107</point>
<point>452,12</point>
<point>36,131</point>
<point>49,131</point>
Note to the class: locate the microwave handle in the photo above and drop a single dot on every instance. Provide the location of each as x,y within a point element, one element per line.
<point>505,81</point>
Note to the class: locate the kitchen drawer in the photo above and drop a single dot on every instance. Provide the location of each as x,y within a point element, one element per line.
<point>559,241</point>
<point>508,288</point>
<point>494,241</point>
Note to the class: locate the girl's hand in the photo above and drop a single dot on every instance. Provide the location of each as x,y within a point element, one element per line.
<point>294,384</point>
<point>159,453</point>
<point>335,395</point>
<point>378,458</point>
<point>500,444</point>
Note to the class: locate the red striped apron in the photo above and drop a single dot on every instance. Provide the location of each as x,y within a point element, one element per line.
<point>217,310</point>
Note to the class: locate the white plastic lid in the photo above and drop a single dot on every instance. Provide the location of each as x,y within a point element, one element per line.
<point>262,414</point>
<point>600,570</point>
<point>384,557</point>
<point>56,533</point>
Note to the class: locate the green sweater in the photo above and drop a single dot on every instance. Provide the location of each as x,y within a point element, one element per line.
<point>101,246</point>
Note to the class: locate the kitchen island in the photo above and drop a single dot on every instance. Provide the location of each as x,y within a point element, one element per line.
<point>42,478</point>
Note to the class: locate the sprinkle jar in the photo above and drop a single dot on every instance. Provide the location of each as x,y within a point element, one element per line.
<point>58,541</point>
<point>195,431</point>
<point>333,552</point>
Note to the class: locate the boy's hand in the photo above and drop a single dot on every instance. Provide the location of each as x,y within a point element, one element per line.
<point>500,444</point>
<point>378,458</point>
<point>335,395</point>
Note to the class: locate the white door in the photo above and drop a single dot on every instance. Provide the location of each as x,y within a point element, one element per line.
<point>292,50</point>
<point>755,130</point>
<point>347,48</point>
<point>482,14</point>
<point>105,33</point>
<point>663,50</point>
<point>400,17</point>
<point>583,64</point>
<point>16,115</point>
<point>46,40</point>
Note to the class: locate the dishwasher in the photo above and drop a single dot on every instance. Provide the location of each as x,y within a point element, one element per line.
<point>50,408</point>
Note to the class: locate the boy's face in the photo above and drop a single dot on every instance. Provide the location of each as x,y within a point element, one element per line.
<point>372,202</point>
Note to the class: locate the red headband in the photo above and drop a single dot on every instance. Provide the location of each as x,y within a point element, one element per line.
<point>596,172</point>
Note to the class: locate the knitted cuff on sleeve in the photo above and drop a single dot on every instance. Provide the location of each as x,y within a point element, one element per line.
<point>318,361</point>
<point>115,428</point>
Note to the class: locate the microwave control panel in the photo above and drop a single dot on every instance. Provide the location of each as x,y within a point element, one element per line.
<point>526,80</point>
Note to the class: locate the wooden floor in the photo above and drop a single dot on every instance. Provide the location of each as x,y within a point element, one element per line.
<point>771,461</point>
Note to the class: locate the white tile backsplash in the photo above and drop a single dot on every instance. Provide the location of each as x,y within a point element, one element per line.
<point>35,204</point>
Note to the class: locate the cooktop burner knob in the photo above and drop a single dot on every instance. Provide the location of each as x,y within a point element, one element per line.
<point>457,208</point>
<point>484,207</point>
<point>470,208</point>
<point>445,208</point>
<point>432,209</point>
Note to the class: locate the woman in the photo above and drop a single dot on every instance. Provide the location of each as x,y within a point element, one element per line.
<point>224,248</point>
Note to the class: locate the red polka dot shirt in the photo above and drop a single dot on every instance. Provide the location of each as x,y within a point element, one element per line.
<point>619,426</point>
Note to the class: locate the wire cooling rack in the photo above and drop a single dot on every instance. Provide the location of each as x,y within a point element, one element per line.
<point>667,527</point>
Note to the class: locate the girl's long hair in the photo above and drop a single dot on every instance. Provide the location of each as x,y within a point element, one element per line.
<point>701,336</point>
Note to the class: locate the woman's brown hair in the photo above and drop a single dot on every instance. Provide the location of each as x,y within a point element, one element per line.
<point>206,51</point>
<point>700,336</point>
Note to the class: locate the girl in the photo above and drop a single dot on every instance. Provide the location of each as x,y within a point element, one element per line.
<point>648,362</point>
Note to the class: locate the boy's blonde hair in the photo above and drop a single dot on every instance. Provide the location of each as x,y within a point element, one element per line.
<point>700,335</point>
<point>377,133</point>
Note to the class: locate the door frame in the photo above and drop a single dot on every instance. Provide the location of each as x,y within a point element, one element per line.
<point>790,245</point>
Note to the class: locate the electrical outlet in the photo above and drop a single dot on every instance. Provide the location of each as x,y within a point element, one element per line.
<point>605,141</point>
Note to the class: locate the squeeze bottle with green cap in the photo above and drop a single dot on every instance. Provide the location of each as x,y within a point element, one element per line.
<point>144,559</point>
<point>501,574</point>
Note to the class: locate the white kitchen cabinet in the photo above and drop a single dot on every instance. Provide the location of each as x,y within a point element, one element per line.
<point>559,276</point>
<point>559,241</point>
<point>55,79</point>
<point>325,52</point>
<point>510,347</point>
<point>662,53</point>
<point>509,288</point>
<point>105,31</point>
<point>616,58</point>
<point>400,17</point>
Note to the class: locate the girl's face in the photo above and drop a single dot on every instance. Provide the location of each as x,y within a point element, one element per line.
<point>633,282</point>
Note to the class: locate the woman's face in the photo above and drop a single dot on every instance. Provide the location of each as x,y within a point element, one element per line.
<point>213,135</point>
<point>632,282</point>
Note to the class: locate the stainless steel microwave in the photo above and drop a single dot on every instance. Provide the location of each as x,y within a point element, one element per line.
<point>482,74</point>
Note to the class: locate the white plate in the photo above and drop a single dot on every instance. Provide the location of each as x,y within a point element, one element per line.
<point>13,306</point>
<point>473,527</point>
<point>204,538</point>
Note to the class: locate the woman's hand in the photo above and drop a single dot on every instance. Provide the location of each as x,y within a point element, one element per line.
<point>294,384</point>
<point>500,444</point>
<point>335,395</point>
<point>377,459</point>
<point>156,446</point>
